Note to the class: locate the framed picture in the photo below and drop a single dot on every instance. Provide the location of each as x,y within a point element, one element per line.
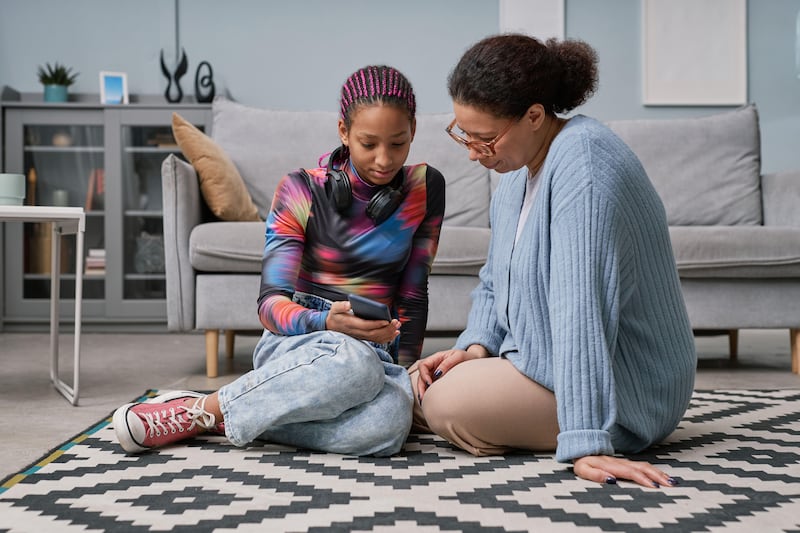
<point>695,52</point>
<point>538,18</point>
<point>113,88</point>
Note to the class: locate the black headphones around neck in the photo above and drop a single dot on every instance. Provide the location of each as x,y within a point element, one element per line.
<point>340,192</point>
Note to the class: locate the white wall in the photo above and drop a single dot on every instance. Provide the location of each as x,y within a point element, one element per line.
<point>294,54</point>
<point>285,54</point>
<point>613,27</point>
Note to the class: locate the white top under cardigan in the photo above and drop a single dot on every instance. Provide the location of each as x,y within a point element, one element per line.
<point>531,186</point>
<point>588,302</point>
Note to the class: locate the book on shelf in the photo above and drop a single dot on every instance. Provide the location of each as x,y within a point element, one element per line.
<point>162,140</point>
<point>95,262</point>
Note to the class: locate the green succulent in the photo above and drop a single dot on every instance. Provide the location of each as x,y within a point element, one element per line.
<point>57,74</point>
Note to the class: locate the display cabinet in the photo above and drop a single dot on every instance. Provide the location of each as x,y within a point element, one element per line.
<point>106,159</point>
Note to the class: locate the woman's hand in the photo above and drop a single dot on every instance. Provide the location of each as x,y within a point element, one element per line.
<point>607,469</point>
<point>438,364</point>
<point>341,319</point>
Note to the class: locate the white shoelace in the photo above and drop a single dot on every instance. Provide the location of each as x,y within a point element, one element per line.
<point>171,421</point>
<point>198,414</point>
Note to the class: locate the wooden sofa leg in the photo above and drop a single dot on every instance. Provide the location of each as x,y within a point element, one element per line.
<point>794,334</point>
<point>212,352</point>
<point>733,344</point>
<point>229,342</point>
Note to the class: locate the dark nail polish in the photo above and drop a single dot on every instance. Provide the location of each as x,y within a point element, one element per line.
<point>419,397</point>
<point>672,481</point>
<point>656,485</point>
<point>611,480</point>
<point>437,374</point>
<point>427,383</point>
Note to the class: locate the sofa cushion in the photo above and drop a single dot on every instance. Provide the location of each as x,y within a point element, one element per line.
<point>736,251</point>
<point>462,250</point>
<point>266,145</point>
<point>220,183</point>
<point>706,170</point>
<point>227,246</point>
<point>468,185</point>
<point>238,246</point>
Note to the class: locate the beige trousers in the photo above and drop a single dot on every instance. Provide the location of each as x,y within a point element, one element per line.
<point>487,407</point>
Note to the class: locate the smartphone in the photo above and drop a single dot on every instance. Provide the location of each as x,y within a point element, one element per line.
<point>369,309</point>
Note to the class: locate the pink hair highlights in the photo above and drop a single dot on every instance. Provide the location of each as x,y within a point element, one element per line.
<point>374,84</point>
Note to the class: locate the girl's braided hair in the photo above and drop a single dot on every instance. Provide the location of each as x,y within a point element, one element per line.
<point>376,84</point>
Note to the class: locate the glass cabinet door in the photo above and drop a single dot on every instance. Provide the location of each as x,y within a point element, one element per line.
<point>144,148</point>
<point>62,158</point>
<point>145,140</point>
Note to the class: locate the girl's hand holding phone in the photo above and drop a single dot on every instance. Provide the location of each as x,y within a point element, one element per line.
<point>341,318</point>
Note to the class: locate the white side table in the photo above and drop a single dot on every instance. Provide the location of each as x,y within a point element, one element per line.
<point>65,220</point>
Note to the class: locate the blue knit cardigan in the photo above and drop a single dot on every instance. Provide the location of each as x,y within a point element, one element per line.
<point>588,302</point>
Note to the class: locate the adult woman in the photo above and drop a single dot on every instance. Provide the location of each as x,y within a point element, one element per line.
<point>323,378</point>
<point>578,339</point>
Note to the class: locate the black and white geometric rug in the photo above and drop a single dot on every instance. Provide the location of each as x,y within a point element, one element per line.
<point>737,455</point>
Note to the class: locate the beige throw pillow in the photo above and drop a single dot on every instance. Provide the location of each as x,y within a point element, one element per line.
<point>220,183</point>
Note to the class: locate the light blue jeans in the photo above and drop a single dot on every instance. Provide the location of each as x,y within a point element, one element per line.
<point>323,391</point>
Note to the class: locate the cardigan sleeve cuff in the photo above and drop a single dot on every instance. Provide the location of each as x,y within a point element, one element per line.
<point>583,442</point>
<point>488,340</point>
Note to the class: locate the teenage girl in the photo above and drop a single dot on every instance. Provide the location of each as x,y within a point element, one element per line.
<point>365,224</point>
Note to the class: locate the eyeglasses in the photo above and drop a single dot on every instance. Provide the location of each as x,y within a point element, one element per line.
<point>483,148</point>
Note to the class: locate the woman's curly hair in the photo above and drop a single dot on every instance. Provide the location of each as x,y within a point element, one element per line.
<point>506,74</point>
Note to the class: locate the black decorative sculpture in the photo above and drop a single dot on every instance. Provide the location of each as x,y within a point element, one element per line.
<point>180,70</point>
<point>206,81</point>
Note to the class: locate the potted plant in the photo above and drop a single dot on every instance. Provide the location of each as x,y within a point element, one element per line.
<point>56,78</point>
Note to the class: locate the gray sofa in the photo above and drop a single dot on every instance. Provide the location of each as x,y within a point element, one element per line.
<point>735,233</point>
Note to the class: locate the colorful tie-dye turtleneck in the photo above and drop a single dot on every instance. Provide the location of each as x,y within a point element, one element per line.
<point>312,248</point>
